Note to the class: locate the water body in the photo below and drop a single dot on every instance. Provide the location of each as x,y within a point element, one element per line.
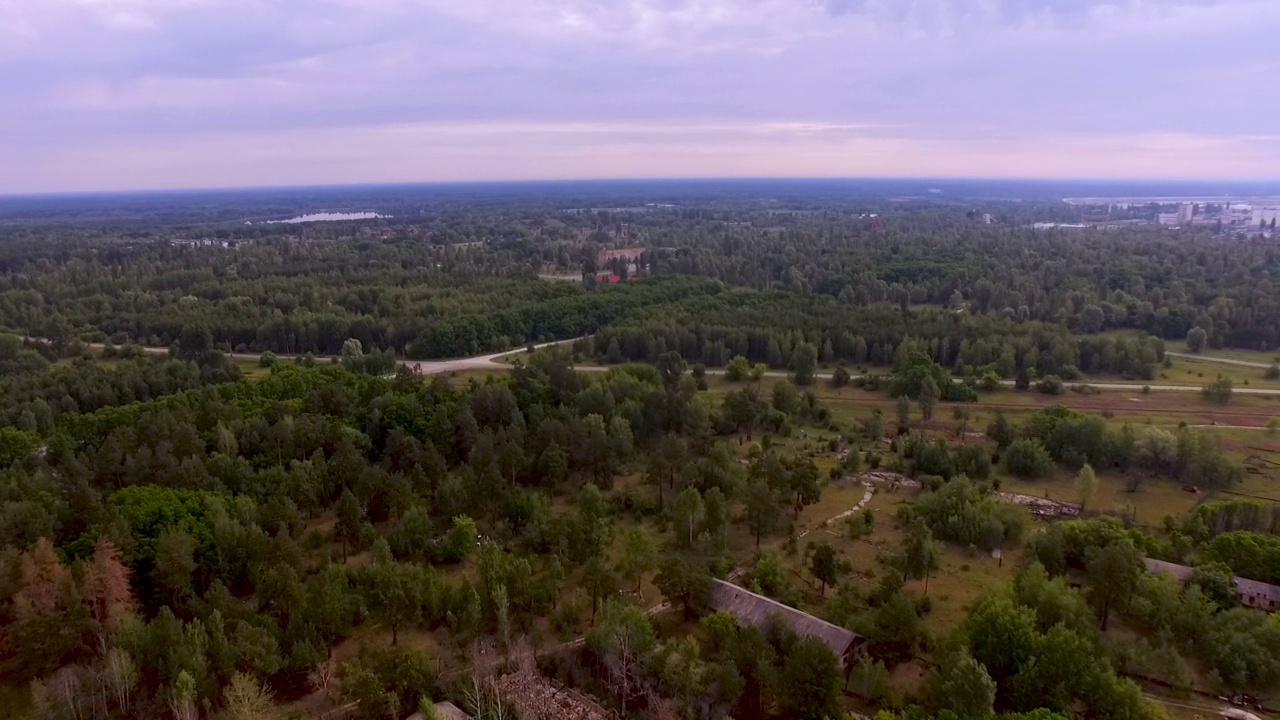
<point>330,216</point>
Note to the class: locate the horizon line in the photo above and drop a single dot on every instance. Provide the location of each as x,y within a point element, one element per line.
<point>620,180</point>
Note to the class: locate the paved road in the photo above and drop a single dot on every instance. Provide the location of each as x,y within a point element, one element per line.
<point>426,367</point>
<point>1224,361</point>
<point>492,361</point>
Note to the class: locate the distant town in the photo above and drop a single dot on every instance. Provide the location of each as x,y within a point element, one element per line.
<point>1249,217</point>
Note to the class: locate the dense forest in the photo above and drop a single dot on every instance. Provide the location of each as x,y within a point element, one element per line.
<point>467,282</point>
<point>201,518</point>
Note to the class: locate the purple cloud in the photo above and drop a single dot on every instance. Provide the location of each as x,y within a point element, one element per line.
<point>107,94</point>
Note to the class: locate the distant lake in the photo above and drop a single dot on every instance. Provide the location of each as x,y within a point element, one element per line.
<point>330,216</point>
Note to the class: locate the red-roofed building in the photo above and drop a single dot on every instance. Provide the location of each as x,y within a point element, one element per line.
<point>631,255</point>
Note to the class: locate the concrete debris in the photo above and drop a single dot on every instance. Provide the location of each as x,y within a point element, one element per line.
<point>537,697</point>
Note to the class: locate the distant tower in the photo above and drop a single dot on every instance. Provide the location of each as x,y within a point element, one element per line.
<point>1186,212</point>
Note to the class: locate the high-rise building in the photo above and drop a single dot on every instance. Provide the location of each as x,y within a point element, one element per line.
<point>1186,212</point>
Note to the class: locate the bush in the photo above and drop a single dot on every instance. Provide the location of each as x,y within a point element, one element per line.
<point>1050,385</point>
<point>1218,391</point>
<point>861,524</point>
<point>966,513</point>
<point>931,482</point>
<point>1022,380</point>
<point>840,377</point>
<point>388,682</point>
<point>1028,459</point>
<point>738,369</point>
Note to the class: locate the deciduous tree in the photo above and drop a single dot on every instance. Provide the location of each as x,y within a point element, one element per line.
<point>1113,573</point>
<point>827,566</point>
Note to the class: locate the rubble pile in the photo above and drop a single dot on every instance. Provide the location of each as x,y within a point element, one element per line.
<point>539,698</point>
<point>1043,508</point>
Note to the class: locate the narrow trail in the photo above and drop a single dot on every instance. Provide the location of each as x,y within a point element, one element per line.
<point>866,498</point>
<point>1223,361</point>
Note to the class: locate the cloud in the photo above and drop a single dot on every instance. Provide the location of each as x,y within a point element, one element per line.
<point>149,83</point>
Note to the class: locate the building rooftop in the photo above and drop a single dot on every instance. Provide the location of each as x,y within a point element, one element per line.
<point>1252,592</point>
<point>757,610</point>
<point>1181,572</point>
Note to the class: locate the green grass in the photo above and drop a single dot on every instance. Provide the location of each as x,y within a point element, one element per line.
<point>1186,371</point>
<point>251,368</point>
<point>1258,356</point>
<point>962,578</point>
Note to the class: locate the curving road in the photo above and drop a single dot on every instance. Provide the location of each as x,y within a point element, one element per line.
<point>479,362</point>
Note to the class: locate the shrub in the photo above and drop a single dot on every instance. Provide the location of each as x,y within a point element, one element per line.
<point>1028,459</point>
<point>840,377</point>
<point>1050,385</point>
<point>1218,391</point>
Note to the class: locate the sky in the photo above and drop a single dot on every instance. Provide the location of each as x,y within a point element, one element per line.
<point>154,94</point>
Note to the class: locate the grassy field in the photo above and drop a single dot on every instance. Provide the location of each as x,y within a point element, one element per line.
<point>1186,371</point>
<point>251,368</point>
<point>1258,356</point>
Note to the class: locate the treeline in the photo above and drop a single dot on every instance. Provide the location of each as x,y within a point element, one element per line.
<point>1137,278</point>
<point>298,296</point>
<point>574,314</point>
<point>314,287</point>
<point>35,393</point>
<point>1075,439</point>
<point>768,326</point>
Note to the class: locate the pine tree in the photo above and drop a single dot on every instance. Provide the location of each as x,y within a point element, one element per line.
<point>107,591</point>
<point>639,554</point>
<point>350,518</point>
<point>929,396</point>
<point>46,632</point>
<point>762,509</point>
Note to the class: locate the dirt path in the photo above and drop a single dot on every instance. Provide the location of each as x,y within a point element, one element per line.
<point>1224,361</point>
<point>825,524</point>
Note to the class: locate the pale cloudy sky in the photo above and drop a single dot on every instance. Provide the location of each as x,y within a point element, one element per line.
<point>134,94</point>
